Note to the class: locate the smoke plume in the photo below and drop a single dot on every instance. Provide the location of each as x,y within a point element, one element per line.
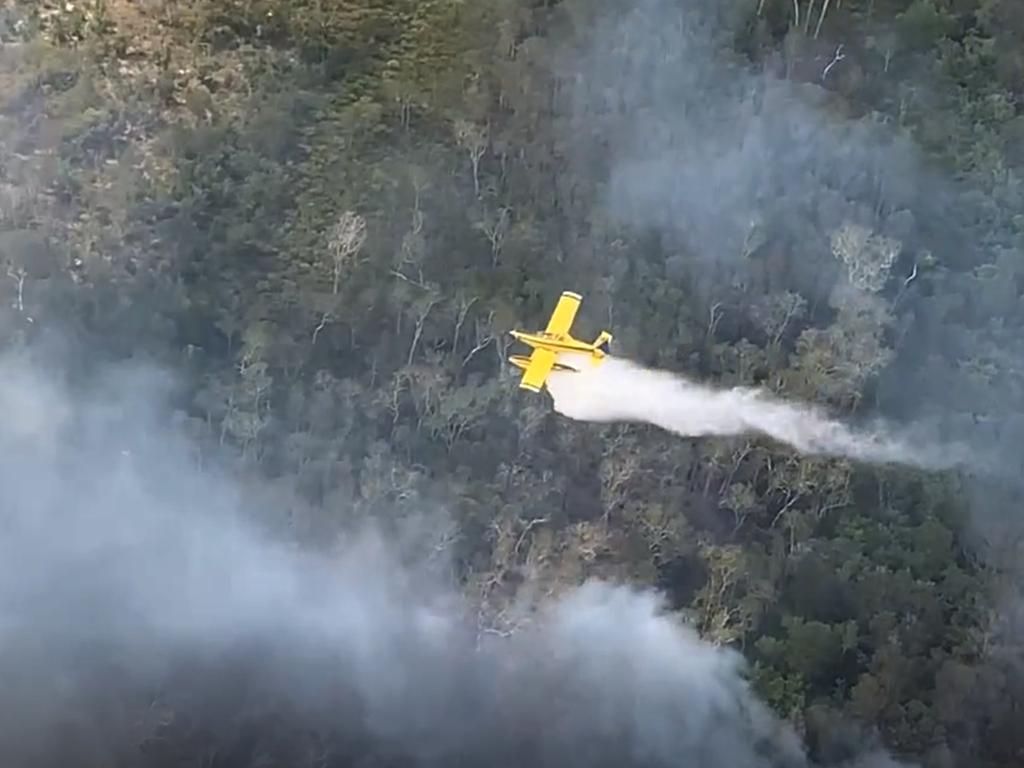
<point>742,172</point>
<point>618,390</point>
<point>147,620</point>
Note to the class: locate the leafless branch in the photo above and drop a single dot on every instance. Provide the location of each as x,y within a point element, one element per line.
<point>420,321</point>
<point>473,138</point>
<point>715,316</point>
<point>911,277</point>
<point>740,456</point>
<point>807,18</point>
<point>18,275</point>
<point>789,503</point>
<point>495,233</point>
<point>836,58</point>
<point>529,527</point>
<point>821,18</point>
<point>320,327</point>
<point>483,339</point>
<point>464,308</point>
<point>410,280</point>
<point>345,239</point>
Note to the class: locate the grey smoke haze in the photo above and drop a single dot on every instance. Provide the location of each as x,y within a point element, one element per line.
<point>141,611</point>
<point>145,619</point>
<point>721,158</point>
<point>619,390</point>
<point>737,170</point>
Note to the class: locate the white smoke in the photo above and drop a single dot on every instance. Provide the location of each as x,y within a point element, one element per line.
<point>617,390</point>
<point>146,621</point>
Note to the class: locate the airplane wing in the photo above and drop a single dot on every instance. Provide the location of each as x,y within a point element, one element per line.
<point>541,363</point>
<point>565,313</point>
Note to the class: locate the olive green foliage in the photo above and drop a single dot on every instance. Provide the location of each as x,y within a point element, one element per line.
<point>331,213</point>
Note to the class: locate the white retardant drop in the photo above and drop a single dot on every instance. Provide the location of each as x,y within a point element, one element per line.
<point>617,390</point>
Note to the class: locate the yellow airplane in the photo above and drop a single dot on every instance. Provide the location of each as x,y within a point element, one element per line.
<point>553,340</point>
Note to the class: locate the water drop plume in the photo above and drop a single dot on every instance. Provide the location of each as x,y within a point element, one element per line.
<point>619,390</point>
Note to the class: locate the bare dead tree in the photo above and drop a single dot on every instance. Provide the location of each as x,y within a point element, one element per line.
<point>525,532</point>
<point>739,455</point>
<point>18,274</point>
<point>345,239</point>
<point>391,399</point>
<point>501,344</point>
<point>821,18</point>
<point>793,309</point>
<point>460,318</point>
<point>485,335</point>
<point>866,255</point>
<point>419,180</point>
<point>616,474</point>
<point>774,312</point>
<point>425,306</point>
<point>791,499</point>
<point>713,317</point>
<point>807,18</point>
<point>414,247</point>
<point>494,230</point>
<point>740,499</point>
<point>472,138</point>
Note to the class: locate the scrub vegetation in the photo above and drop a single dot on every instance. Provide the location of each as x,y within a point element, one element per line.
<point>325,217</point>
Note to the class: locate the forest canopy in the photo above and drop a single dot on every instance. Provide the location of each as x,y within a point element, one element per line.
<point>325,217</point>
